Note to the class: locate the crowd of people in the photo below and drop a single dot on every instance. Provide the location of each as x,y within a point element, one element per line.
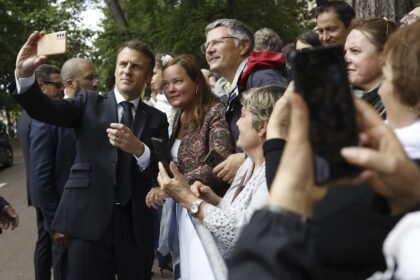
<point>242,163</point>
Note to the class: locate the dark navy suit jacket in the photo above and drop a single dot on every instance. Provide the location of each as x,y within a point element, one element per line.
<point>87,202</point>
<point>23,131</point>
<point>52,152</point>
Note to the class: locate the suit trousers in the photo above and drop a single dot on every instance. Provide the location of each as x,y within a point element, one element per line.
<point>43,251</point>
<point>115,254</point>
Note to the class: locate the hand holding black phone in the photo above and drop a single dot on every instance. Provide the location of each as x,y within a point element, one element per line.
<point>213,158</point>
<point>320,77</point>
<point>161,148</point>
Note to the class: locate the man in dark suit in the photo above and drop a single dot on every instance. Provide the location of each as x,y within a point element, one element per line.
<point>53,149</point>
<point>8,216</point>
<point>102,216</point>
<point>49,80</point>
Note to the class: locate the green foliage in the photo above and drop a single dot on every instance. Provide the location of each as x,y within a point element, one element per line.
<point>177,26</point>
<point>18,19</point>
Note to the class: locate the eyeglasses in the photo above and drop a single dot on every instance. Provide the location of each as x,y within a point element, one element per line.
<point>58,85</point>
<point>215,43</point>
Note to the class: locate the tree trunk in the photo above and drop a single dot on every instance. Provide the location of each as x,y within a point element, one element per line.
<point>391,9</point>
<point>117,12</point>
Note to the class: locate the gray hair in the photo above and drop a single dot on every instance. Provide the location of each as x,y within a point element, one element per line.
<point>267,39</point>
<point>235,28</point>
<point>260,102</point>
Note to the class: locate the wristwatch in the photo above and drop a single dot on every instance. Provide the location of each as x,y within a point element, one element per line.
<point>195,207</point>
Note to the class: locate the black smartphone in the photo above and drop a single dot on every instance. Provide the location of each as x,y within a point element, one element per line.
<point>213,158</point>
<point>320,77</point>
<point>161,148</point>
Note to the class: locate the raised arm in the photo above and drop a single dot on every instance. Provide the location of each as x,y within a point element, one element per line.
<point>27,59</point>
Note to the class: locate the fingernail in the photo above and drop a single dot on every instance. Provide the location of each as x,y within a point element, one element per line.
<point>348,152</point>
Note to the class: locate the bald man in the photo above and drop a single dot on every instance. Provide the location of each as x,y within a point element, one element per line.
<point>78,74</point>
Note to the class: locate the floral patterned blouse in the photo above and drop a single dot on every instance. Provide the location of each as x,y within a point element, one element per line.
<point>194,147</point>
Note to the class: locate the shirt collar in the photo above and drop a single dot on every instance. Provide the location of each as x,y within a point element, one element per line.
<point>238,74</point>
<point>120,98</point>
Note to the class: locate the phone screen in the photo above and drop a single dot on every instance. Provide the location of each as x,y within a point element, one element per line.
<point>320,77</point>
<point>161,148</point>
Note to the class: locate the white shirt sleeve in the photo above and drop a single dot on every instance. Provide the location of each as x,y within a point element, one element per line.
<point>143,161</point>
<point>23,84</point>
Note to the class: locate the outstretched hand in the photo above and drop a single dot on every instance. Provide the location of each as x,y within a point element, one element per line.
<point>155,198</point>
<point>27,59</point>
<point>8,218</point>
<point>205,193</point>
<point>227,169</point>
<point>176,187</point>
<point>123,138</point>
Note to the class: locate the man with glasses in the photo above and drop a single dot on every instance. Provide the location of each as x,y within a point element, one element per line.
<point>411,17</point>
<point>228,48</point>
<point>333,20</point>
<point>49,80</point>
<point>53,149</point>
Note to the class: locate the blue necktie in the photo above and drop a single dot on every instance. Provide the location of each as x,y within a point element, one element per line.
<point>124,160</point>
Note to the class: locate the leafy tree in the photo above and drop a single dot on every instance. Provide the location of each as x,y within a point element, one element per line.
<point>177,26</point>
<point>18,19</point>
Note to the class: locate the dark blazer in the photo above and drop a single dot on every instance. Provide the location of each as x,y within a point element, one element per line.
<point>52,152</point>
<point>23,131</point>
<point>258,78</point>
<point>87,202</point>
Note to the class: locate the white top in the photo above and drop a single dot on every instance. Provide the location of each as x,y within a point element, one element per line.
<point>409,137</point>
<point>174,150</point>
<point>194,263</point>
<point>225,221</point>
<point>193,259</point>
<point>163,105</point>
<point>402,250</point>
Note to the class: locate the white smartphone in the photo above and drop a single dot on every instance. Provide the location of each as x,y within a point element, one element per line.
<point>52,43</point>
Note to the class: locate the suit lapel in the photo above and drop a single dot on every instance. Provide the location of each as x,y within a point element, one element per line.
<point>140,119</point>
<point>111,107</point>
